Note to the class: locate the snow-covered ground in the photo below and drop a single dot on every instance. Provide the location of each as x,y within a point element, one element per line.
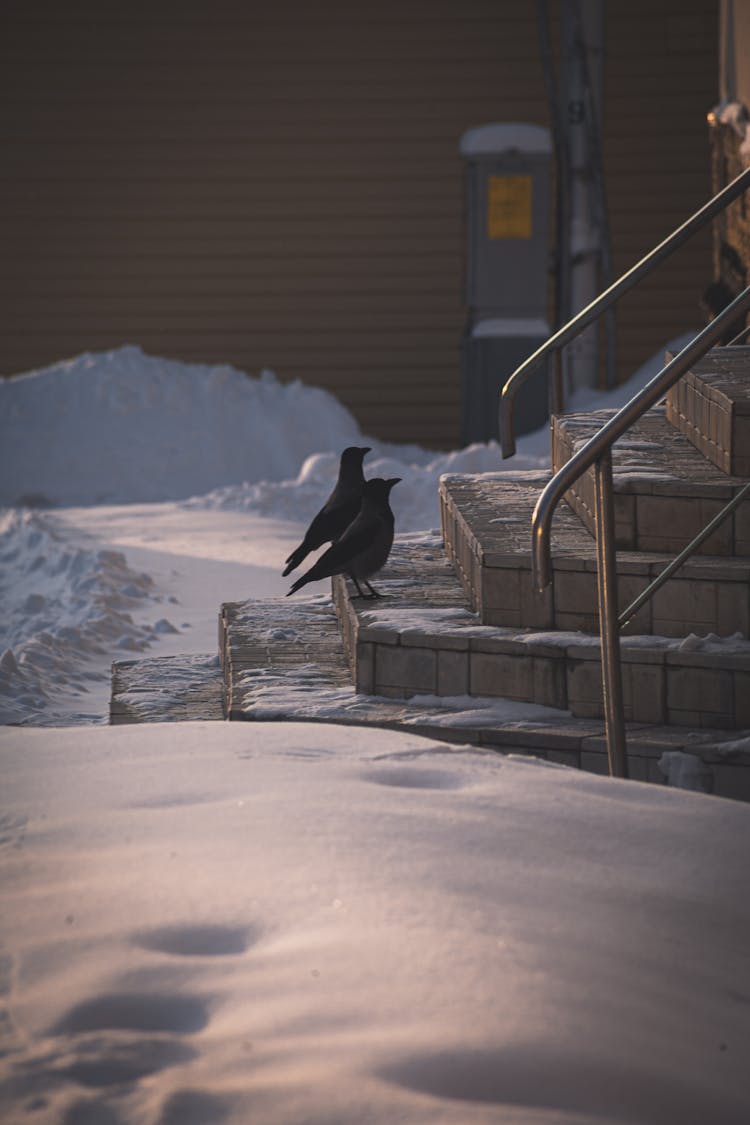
<point>309,924</point>
<point>298,925</point>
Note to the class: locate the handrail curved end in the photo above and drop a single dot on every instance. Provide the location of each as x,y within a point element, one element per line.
<point>541,548</point>
<point>541,569</point>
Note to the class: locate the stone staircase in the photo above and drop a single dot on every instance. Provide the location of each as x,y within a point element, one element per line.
<point>465,622</point>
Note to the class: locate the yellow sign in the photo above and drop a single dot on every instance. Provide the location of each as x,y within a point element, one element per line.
<point>509,207</point>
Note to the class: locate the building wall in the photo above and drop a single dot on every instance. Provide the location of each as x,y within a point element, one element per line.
<point>279,185</point>
<point>661,74</point>
<point>730,155</point>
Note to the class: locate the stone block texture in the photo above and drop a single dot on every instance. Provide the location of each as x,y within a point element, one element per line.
<point>490,520</point>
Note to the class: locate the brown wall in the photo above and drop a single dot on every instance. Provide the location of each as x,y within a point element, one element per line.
<point>661,80</point>
<point>279,185</point>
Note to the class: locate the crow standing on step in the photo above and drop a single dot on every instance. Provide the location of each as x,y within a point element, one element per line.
<point>365,545</point>
<point>339,509</point>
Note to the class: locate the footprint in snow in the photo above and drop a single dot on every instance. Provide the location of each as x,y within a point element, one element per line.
<point>133,1011</point>
<point>198,941</point>
<point>407,778</point>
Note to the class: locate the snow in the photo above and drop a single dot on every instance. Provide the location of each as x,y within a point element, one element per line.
<point>475,711</point>
<point>731,113</point>
<point>496,138</point>
<point>123,427</point>
<point>495,327</point>
<point>272,692</point>
<point>288,923</point>
<point>713,643</point>
<point>686,771</point>
<point>81,587</point>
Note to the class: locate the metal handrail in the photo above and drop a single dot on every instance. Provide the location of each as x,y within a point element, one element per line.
<point>603,302</point>
<point>597,452</point>
<point>647,397</point>
<point>736,340</point>
<point>645,595</point>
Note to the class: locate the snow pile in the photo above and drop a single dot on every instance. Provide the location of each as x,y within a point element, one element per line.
<point>414,500</point>
<point>287,923</point>
<point>122,427</point>
<point>125,427</point>
<point>77,606</point>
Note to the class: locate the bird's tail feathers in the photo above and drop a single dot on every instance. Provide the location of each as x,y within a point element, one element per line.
<point>298,584</point>
<point>294,560</point>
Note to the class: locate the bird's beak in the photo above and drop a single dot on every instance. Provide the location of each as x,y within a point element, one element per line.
<point>366,449</point>
<point>393,480</point>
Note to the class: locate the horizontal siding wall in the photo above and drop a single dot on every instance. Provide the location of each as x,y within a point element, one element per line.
<point>661,75</point>
<point>278,185</point>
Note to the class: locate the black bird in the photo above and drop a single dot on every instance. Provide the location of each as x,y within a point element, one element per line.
<point>365,545</point>
<point>339,509</point>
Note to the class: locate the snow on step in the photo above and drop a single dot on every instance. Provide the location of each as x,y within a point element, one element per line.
<point>166,689</point>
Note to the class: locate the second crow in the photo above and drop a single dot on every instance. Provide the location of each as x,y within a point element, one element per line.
<point>339,509</point>
<point>365,545</point>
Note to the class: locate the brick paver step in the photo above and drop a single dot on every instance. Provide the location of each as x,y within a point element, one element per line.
<point>270,660</point>
<point>166,689</point>
<point>665,489</point>
<point>421,640</point>
<point>711,406</point>
<point>486,524</point>
<point>285,660</point>
<point>263,639</point>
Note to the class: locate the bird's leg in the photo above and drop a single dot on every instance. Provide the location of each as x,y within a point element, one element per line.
<point>373,592</point>
<point>356,583</point>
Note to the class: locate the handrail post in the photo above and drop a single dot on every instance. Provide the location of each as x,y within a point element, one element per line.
<point>629,613</point>
<point>558,393</point>
<point>554,394</point>
<point>609,630</point>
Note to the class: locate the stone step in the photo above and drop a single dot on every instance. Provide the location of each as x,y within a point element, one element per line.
<point>261,641</point>
<point>421,639</point>
<point>665,489</point>
<point>267,662</point>
<point>166,689</point>
<point>486,525</point>
<point>711,406</point>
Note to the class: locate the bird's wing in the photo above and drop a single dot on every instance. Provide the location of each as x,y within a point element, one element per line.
<point>317,533</point>
<point>357,538</point>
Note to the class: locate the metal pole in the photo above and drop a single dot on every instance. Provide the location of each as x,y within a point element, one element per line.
<point>740,336</point>
<point>609,631</point>
<point>683,556</point>
<point>562,159</point>
<point>580,26</point>
<point>555,397</point>
<point>557,378</point>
